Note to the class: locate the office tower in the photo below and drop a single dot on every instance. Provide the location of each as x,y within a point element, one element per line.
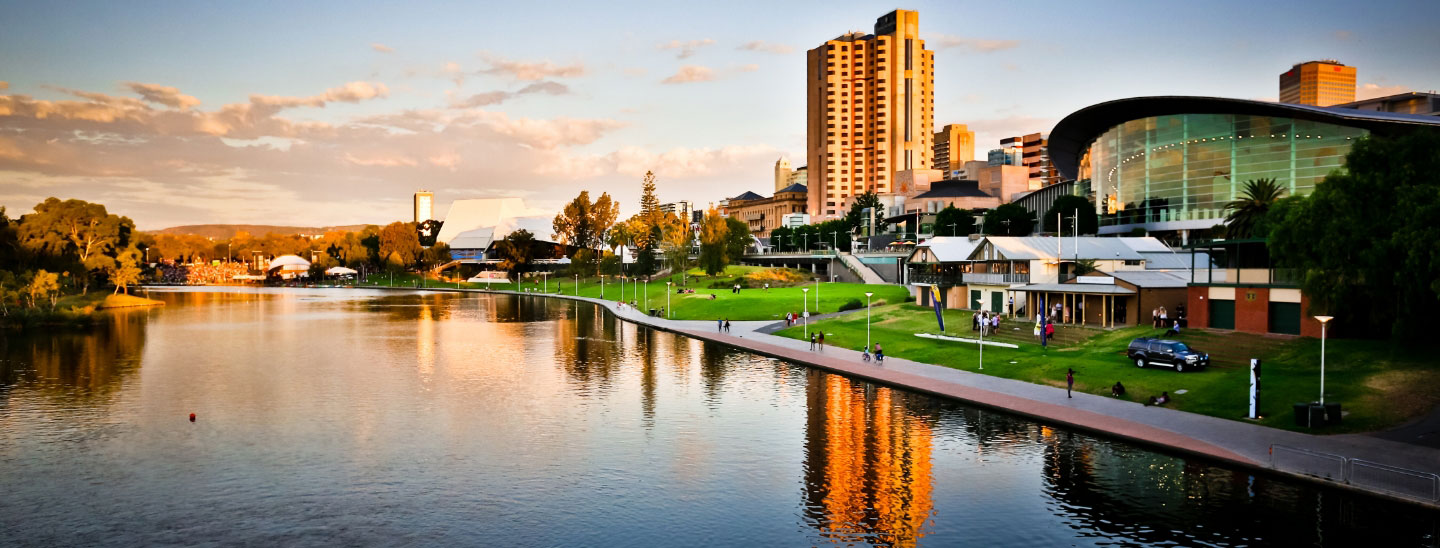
<point>869,110</point>
<point>1319,83</point>
<point>424,206</point>
<point>954,145</point>
<point>782,173</point>
<point>1035,156</point>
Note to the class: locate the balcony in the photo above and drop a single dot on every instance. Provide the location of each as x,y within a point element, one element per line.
<point>997,278</point>
<point>916,276</point>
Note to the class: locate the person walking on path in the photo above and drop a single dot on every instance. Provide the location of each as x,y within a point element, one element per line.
<point>812,341</point>
<point>1069,381</point>
<point>719,324</point>
<point>822,341</point>
<point>727,325</point>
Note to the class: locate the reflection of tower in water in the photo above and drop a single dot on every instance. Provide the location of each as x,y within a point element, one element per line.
<point>867,463</point>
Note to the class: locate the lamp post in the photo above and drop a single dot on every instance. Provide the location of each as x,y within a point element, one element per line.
<point>1324,320</point>
<point>577,285</point>
<point>805,306</point>
<point>817,295</point>
<point>545,281</point>
<point>667,299</point>
<point>954,232</point>
<point>227,253</point>
<point>647,293</point>
<point>867,320</point>
<point>602,287</point>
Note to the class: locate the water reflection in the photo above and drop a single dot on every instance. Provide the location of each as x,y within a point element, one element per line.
<point>75,364</point>
<point>867,463</point>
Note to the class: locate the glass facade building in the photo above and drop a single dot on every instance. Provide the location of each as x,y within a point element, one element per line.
<point>1181,169</point>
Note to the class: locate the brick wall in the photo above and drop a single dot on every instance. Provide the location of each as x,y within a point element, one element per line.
<point>1252,316</point>
<point>1197,306</point>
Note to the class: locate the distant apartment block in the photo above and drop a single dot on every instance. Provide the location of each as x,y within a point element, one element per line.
<point>954,145</point>
<point>1412,102</point>
<point>424,206</point>
<point>1319,83</point>
<point>1035,157</point>
<point>681,209</point>
<point>869,111</point>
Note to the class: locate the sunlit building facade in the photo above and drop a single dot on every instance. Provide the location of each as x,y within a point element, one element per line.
<point>870,103</point>
<point>1318,83</point>
<point>1172,163</point>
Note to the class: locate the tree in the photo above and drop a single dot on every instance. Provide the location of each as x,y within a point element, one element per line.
<point>737,239</point>
<point>676,246</point>
<point>1248,212</point>
<point>1363,245</point>
<point>515,253</point>
<point>855,218</point>
<point>780,238</point>
<point>43,285</point>
<point>1066,206</point>
<point>583,224</point>
<point>399,242</point>
<point>713,232</point>
<point>74,227</point>
<point>649,204</point>
<point>953,221</point>
<point>435,255</point>
<point>1009,220</point>
<point>128,271</point>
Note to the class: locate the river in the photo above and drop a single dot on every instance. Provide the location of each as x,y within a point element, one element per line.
<point>356,417</point>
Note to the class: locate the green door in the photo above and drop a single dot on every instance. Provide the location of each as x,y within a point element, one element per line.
<point>1285,318</point>
<point>974,299</point>
<point>1222,314</point>
<point>997,302</point>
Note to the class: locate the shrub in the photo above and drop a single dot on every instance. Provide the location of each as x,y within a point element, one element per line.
<point>777,277</point>
<point>852,304</point>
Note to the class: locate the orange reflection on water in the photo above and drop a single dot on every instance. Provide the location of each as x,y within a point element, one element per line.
<point>868,463</point>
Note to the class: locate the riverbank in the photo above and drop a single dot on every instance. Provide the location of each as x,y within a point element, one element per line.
<point>73,311</point>
<point>1257,447</point>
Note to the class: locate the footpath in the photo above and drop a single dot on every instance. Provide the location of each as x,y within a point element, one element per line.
<point>1393,469</point>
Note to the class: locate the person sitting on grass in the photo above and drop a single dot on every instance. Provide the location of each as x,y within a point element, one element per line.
<point>1162,400</point>
<point>1173,331</point>
<point>1117,390</point>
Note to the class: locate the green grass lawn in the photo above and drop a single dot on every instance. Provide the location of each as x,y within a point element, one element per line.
<point>749,304</point>
<point>1379,385</point>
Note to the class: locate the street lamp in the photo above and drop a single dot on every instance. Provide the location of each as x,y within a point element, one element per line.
<point>667,298</point>
<point>805,306</point>
<point>867,320</point>
<point>647,293</point>
<point>602,287</point>
<point>577,285</point>
<point>817,295</point>
<point>1324,320</point>
<point>545,280</point>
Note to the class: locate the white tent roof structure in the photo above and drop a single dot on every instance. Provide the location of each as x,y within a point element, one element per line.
<point>334,270</point>
<point>475,224</point>
<point>289,261</point>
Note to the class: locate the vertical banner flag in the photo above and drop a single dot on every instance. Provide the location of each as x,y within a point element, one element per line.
<point>935,300</point>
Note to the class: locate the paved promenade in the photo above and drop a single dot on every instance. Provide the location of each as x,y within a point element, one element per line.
<point>1231,441</point>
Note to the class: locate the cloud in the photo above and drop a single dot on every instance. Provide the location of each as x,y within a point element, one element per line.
<point>690,73</point>
<point>686,48</point>
<point>766,47</point>
<point>529,70</point>
<point>381,161</point>
<point>1371,91</point>
<point>352,92</point>
<point>453,71</point>
<point>752,67</point>
<point>977,45</point>
<point>382,48</point>
<point>163,95</point>
<point>496,97</point>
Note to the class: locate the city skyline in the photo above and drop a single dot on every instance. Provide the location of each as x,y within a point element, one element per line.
<point>317,115</point>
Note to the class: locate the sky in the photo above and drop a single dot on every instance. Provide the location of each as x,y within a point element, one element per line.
<point>333,113</point>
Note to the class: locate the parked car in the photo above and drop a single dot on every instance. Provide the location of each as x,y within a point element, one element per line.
<point>1148,351</point>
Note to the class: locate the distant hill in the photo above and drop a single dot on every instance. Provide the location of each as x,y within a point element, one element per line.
<point>222,232</point>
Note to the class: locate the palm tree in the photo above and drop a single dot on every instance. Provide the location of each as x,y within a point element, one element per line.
<point>1247,212</point>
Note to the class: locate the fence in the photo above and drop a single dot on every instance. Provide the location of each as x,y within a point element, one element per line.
<point>1403,482</point>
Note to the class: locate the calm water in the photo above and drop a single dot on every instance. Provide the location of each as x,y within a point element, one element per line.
<point>345,417</point>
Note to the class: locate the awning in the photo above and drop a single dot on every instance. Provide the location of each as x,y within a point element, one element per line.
<point>340,270</point>
<point>1083,289</point>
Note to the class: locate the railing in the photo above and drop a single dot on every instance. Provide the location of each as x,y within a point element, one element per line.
<point>933,279</point>
<point>1402,482</point>
<point>997,278</point>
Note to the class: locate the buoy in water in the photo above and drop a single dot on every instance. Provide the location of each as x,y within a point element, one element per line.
<point>192,417</point>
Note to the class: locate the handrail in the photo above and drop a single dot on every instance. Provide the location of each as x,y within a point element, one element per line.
<point>1395,480</point>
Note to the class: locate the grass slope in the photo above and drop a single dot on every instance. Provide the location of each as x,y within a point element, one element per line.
<point>1379,385</point>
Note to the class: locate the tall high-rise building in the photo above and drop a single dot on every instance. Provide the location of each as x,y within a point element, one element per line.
<point>1319,83</point>
<point>954,145</point>
<point>870,103</point>
<point>424,206</point>
<point>782,173</point>
<point>1035,156</point>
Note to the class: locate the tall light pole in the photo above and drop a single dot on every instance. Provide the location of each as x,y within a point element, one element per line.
<point>667,299</point>
<point>545,281</point>
<point>602,287</point>
<point>577,285</point>
<point>647,293</point>
<point>1324,320</point>
<point>867,321</point>
<point>805,306</point>
<point>817,295</point>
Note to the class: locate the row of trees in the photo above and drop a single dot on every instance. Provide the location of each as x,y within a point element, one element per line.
<point>63,247</point>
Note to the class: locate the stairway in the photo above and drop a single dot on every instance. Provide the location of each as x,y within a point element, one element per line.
<point>868,275</point>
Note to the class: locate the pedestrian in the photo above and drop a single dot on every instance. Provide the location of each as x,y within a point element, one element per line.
<point>994,324</point>
<point>812,341</point>
<point>727,326</point>
<point>975,321</point>
<point>1049,330</point>
<point>1155,318</point>
<point>1069,381</point>
<point>1164,317</point>
<point>719,324</point>
<point>1045,334</point>
<point>822,341</point>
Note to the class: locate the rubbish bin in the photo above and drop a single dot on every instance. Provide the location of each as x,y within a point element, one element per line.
<point>1332,413</point>
<point>1302,414</point>
<point>1312,415</point>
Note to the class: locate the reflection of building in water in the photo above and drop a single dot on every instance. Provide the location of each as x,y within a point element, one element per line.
<point>867,463</point>
<point>584,347</point>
